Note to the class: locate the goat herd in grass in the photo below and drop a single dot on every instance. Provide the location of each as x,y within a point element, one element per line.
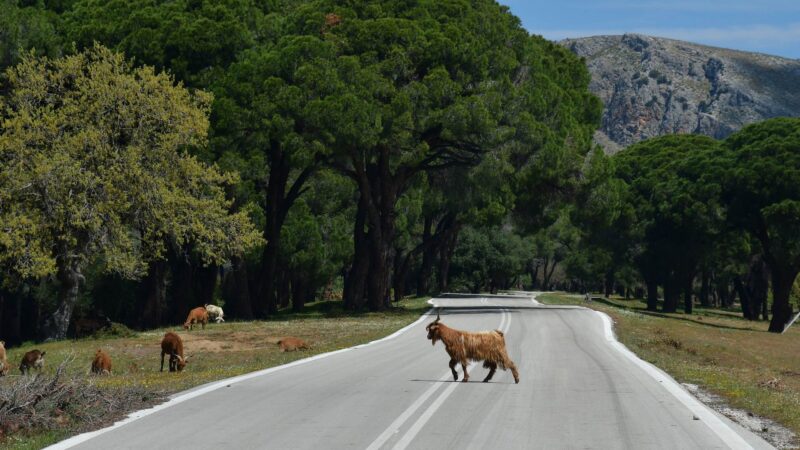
<point>462,346</point>
<point>171,345</point>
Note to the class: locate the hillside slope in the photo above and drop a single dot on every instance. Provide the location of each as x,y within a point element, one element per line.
<point>653,86</point>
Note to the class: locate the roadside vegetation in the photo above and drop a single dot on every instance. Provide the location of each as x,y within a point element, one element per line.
<point>66,399</point>
<point>716,349</point>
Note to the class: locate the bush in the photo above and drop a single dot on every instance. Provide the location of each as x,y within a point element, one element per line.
<point>65,401</point>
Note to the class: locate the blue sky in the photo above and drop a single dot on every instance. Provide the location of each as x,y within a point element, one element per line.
<point>767,26</point>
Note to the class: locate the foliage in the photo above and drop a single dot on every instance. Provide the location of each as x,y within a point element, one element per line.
<point>94,166</point>
<point>26,28</point>
<point>487,258</point>
<point>193,39</point>
<point>763,196</point>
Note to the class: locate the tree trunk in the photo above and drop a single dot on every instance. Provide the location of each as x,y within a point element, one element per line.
<point>428,254</point>
<point>704,300</point>
<point>608,284</point>
<point>70,278</point>
<point>206,283</point>
<point>356,280</point>
<point>445,254</point>
<point>744,298</point>
<point>759,282</point>
<point>239,301</point>
<point>401,266</point>
<point>534,275</point>
<point>11,323</point>
<point>155,298</point>
<point>278,202</point>
<point>670,296</point>
<point>379,190</point>
<point>276,189</point>
<point>299,294</point>
<point>183,297</point>
<point>549,275</point>
<point>782,281</point>
<point>688,302</point>
<point>284,293</point>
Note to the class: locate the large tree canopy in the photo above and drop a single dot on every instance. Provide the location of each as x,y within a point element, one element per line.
<point>675,193</point>
<point>423,86</point>
<point>763,196</point>
<point>93,165</point>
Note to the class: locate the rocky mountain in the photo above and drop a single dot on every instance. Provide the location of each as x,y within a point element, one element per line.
<point>653,86</point>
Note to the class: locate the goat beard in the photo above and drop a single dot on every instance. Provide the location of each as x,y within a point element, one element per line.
<point>434,339</point>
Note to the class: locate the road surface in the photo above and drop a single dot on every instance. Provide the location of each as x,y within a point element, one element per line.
<point>577,390</point>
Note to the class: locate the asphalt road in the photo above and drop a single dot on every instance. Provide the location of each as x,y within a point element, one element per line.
<point>577,390</point>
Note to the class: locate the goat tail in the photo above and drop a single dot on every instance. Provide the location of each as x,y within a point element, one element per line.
<point>499,332</point>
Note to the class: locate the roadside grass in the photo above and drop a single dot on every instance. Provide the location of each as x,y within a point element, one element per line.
<point>718,350</point>
<point>220,351</point>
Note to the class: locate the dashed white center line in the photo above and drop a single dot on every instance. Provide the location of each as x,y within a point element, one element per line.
<point>412,432</point>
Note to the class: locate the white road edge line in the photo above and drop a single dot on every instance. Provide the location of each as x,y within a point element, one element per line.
<point>180,398</point>
<point>729,436</point>
<point>505,324</point>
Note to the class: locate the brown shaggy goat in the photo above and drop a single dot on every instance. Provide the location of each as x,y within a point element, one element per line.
<point>3,360</point>
<point>197,315</point>
<point>34,359</point>
<point>102,363</point>
<point>172,345</point>
<point>463,346</point>
<point>290,344</point>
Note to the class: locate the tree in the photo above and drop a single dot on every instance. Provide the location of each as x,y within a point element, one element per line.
<point>675,191</point>
<point>263,116</point>
<point>425,86</point>
<point>194,40</point>
<point>763,196</point>
<point>92,155</point>
<point>26,28</point>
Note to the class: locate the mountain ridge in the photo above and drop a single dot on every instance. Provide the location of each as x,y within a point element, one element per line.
<point>651,86</point>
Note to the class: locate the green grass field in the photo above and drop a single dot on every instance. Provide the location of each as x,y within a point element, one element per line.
<point>220,351</point>
<point>718,350</point>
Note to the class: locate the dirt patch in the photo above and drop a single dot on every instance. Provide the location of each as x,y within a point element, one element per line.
<point>237,341</point>
<point>777,435</point>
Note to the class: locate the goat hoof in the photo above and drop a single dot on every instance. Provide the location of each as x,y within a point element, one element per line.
<point>464,380</point>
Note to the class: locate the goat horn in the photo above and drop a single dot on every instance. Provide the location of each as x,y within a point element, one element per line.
<point>437,314</point>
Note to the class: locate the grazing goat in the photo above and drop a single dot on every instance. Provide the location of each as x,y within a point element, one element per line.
<point>172,345</point>
<point>290,344</point>
<point>197,315</point>
<point>102,363</point>
<point>34,359</point>
<point>463,346</point>
<point>3,360</point>
<point>215,313</point>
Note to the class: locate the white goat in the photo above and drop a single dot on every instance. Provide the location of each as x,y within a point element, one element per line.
<point>215,313</point>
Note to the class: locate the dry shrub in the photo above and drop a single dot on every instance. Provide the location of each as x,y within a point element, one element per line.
<point>62,400</point>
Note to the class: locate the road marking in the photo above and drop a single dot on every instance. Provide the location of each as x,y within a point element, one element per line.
<point>729,436</point>
<point>412,432</point>
<point>180,398</point>
<point>401,419</point>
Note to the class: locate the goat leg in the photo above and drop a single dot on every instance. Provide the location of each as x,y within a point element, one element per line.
<point>492,368</point>
<point>162,361</point>
<point>453,363</point>
<point>466,375</point>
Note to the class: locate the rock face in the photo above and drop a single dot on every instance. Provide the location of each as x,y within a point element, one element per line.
<point>655,86</point>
